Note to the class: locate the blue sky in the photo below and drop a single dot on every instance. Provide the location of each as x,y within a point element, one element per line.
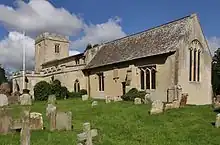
<point>135,16</point>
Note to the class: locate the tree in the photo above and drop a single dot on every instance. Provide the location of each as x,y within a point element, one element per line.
<point>216,72</point>
<point>3,78</point>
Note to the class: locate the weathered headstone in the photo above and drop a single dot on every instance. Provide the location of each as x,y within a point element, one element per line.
<point>5,121</point>
<point>183,100</point>
<point>137,101</point>
<point>107,99</point>
<point>217,122</point>
<point>146,99</point>
<point>176,104</point>
<point>25,131</point>
<point>85,97</point>
<point>3,100</point>
<point>51,114</point>
<point>36,121</point>
<point>25,99</point>
<point>51,99</point>
<point>5,89</point>
<point>87,134</point>
<point>13,99</point>
<point>64,120</point>
<point>94,103</point>
<point>157,107</point>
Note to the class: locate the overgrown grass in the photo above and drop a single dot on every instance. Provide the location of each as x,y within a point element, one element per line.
<point>123,123</point>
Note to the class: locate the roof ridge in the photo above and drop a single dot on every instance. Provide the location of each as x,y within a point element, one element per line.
<point>152,28</point>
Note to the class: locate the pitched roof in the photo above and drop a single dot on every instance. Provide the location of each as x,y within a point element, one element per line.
<point>158,40</point>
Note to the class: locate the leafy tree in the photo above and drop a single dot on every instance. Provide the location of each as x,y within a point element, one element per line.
<point>3,78</point>
<point>42,90</point>
<point>216,72</point>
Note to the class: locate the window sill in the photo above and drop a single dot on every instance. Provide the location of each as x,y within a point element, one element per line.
<point>194,82</point>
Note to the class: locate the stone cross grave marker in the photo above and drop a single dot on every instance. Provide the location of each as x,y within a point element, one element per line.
<point>25,130</point>
<point>3,100</point>
<point>36,121</point>
<point>5,121</point>
<point>51,99</point>
<point>25,99</point>
<point>51,112</point>
<point>87,134</point>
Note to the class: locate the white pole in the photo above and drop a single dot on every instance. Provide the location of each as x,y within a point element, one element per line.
<point>24,62</point>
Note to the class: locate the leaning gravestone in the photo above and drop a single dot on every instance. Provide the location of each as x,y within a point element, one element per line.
<point>137,101</point>
<point>87,134</point>
<point>25,130</point>
<point>107,99</point>
<point>64,120</point>
<point>3,100</point>
<point>51,99</point>
<point>36,121</point>
<point>5,121</point>
<point>51,112</point>
<point>25,99</point>
<point>157,107</point>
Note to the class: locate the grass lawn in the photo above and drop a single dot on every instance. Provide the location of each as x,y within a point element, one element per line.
<point>123,123</point>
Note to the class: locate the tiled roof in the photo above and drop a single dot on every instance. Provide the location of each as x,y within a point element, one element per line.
<point>158,40</point>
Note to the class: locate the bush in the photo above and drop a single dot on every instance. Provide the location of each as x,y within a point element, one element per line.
<point>56,89</point>
<point>42,90</point>
<point>74,95</point>
<point>83,92</point>
<point>133,93</point>
<point>64,92</point>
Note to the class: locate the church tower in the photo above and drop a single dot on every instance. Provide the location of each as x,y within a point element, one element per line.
<point>48,47</point>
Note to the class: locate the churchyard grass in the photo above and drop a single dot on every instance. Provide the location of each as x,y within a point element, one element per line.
<point>123,123</point>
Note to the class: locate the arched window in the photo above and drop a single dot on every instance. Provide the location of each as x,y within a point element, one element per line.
<point>148,77</point>
<point>76,86</point>
<point>194,61</point>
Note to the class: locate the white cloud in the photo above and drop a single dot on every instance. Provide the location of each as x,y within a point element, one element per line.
<point>39,16</point>
<point>214,43</point>
<point>12,51</point>
<point>100,33</point>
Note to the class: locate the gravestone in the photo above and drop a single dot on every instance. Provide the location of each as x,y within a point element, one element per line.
<point>51,99</point>
<point>137,101</point>
<point>5,89</point>
<point>157,107</point>
<point>87,134</point>
<point>183,100</point>
<point>64,120</point>
<point>25,131</point>
<point>3,100</point>
<point>107,99</point>
<point>51,114</point>
<point>5,121</point>
<point>36,121</point>
<point>85,97</point>
<point>13,99</point>
<point>94,103</point>
<point>176,104</point>
<point>146,99</point>
<point>217,122</point>
<point>25,99</point>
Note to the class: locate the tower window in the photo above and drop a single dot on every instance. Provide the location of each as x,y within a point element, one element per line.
<point>57,48</point>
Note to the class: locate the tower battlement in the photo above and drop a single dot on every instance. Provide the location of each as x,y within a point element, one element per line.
<point>51,36</point>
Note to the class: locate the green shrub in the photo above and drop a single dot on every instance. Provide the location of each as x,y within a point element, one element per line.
<point>83,92</point>
<point>74,95</point>
<point>42,90</point>
<point>56,89</point>
<point>133,93</point>
<point>64,92</point>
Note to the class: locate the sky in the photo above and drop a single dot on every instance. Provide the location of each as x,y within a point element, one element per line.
<point>92,21</point>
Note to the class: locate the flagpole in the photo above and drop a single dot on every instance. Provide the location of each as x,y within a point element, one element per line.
<point>24,61</point>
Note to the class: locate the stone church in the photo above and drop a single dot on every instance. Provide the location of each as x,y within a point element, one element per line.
<point>155,60</point>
